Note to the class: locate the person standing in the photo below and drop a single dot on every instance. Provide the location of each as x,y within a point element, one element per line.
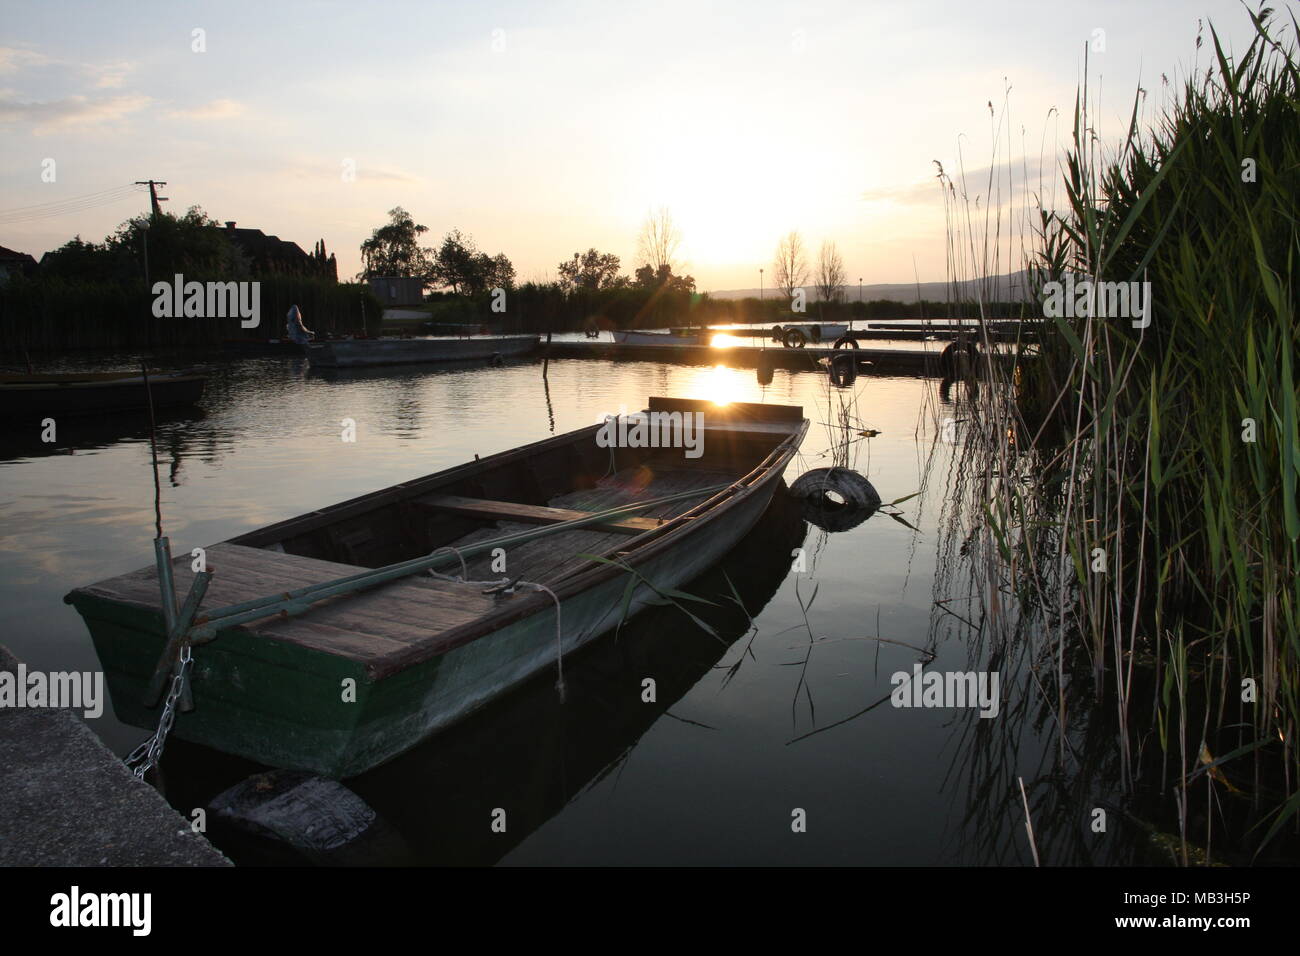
<point>298,333</point>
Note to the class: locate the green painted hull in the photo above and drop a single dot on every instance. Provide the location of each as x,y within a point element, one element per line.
<point>284,705</point>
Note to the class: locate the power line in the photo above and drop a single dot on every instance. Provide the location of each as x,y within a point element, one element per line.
<point>68,206</point>
<point>36,207</point>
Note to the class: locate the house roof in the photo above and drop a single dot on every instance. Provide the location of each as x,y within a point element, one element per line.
<point>12,255</point>
<point>258,243</point>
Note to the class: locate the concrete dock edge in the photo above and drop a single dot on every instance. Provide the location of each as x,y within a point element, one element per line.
<point>67,800</point>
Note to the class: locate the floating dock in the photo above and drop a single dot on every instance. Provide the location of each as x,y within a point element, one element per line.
<point>940,332</point>
<point>904,361</point>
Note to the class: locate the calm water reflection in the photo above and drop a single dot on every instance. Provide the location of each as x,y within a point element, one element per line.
<point>775,716</point>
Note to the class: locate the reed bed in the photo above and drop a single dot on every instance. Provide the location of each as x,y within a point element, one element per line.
<point>1125,507</point>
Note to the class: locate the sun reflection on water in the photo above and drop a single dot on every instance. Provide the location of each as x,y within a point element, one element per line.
<point>720,385</point>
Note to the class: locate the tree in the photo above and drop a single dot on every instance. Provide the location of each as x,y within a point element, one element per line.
<point>663,278</point>
<point>193,244</point>
<point>501,274</point>
<point>590,270</point>
<point>89,261</point>
<point>790,270</point>
<point>460,265</point>
<point>394,249</point>
<point>454,263</point>
<point>830,273</point>
<point>659,239</point>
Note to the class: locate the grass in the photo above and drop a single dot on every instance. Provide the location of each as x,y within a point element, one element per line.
<point>1127,499</point>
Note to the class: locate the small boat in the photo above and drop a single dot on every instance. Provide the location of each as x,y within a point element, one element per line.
<point>626,337</point>
<point>349,353</point>
<point>817,331</point>
<point>360,652</point>
<point>91,393</point>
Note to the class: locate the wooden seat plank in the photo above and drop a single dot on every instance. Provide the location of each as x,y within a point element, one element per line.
<point>528,514</point>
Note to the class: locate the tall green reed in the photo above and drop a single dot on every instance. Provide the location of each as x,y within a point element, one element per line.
<point>1136,484</point>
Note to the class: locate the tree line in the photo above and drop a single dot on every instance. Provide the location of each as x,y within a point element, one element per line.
<point>90,294</point>
<point>593,292</point>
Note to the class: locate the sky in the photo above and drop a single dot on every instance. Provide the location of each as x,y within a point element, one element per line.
<point>542,129</point>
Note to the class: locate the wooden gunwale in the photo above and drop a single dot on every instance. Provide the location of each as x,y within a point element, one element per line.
<point>641,549</point>
<point>638,549</point>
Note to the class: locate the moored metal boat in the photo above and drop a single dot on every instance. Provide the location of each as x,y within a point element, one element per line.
<point>632,337</point>
<point>358,654</point>
<point>816,332</point>
<point>91,393</point>
<point>347,353</point>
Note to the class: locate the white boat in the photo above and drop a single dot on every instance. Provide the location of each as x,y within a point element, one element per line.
<point>348,353</point>
<point>820,331</point>
<point>657,338</point>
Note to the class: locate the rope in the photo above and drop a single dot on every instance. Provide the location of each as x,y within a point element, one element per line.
<point>505,585</point>
<point>559,647</point>
<point>613,469</point>
<point>464,570</point>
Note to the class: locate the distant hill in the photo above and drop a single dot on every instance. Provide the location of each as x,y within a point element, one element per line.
<point>1007,288</point>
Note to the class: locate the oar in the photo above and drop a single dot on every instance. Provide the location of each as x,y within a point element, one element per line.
<point>299,600</point>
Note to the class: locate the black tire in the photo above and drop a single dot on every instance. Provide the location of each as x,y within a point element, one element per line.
<point>948,357</point>
<point>843,369</point>
<point>795,338</point>
<point>860,499</point>
<point>846,341</point>
<point>778,333</point>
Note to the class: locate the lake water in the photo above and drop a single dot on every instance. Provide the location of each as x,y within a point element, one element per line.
<point>789,713</point>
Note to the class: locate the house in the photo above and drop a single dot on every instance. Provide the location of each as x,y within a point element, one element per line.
<point>398,290</point>
<point>15,263</point>
<point>271,255</point>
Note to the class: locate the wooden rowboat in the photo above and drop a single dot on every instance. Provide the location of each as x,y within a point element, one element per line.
<point>347,353</point>
<point>90,393</point>
<point>322,676</point>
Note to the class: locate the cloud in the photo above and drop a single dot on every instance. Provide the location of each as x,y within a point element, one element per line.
<point>110,76</point>
<point>13,59</point>
<point>70,111</point>
<point>1018,175</point>
<point>912,194</point>
<point>385,175</point>
<point>73,109</point>
<point>213,110</point>
<point>365,173</point>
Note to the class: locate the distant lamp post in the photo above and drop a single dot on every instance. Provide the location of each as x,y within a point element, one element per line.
<point>859,288</point>
<point>760,285</point>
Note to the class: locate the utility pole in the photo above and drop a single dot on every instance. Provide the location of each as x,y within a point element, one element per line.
<point>154,198</point>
